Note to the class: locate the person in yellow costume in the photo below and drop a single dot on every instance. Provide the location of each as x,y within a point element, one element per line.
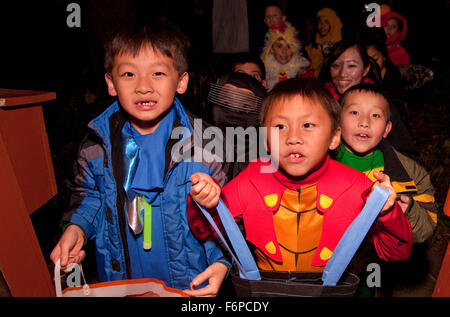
<point>282,55</point>
<point>328,33</point>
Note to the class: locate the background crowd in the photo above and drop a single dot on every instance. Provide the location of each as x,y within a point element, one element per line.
<point>45,54</point>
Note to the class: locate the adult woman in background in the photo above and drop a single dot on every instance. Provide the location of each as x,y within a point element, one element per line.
<point>348,64</point>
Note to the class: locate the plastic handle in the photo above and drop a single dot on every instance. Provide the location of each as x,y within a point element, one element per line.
<point>243,258</point>
<point>353,236</point>
<point>57,277</point>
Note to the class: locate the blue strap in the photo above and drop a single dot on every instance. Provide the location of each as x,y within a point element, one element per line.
<point>245,262</point>
<point>353,237</point>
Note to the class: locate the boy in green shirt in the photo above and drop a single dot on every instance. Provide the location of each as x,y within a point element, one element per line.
<point>365,124</point>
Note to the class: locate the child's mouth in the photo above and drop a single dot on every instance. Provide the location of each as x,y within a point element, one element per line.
<point>362,136</point>
<point>146,104</point>
<point>295,157</point>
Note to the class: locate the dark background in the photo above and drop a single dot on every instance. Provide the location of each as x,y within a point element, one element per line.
<point>40,52</point>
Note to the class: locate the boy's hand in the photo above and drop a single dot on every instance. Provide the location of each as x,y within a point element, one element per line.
<point>205,190</point>
<point>215,273</point>
<point>384,181</point>
<point>403,202</point>
<point>69,247</point>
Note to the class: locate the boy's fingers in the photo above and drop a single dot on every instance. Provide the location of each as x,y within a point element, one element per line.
<point>64,255</point>
<point>77,257</point>
<point>194,178</point>
<point>198,177</point>
<point>206,291</point>
<point>197,188</point>
<point>56,254</point>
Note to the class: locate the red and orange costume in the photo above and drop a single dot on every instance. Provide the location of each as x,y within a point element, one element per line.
<point>296,225</point>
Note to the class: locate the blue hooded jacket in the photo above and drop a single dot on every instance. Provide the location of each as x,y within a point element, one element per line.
<point>98,198</point>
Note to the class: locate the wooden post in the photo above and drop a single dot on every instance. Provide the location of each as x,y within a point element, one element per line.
<point>27,181</point>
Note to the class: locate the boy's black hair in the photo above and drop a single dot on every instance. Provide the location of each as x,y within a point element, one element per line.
<point>161,36</point>
<point>307,88</point>
<point>273,3</point>
<point>248,57</point>
<point>370,88</point>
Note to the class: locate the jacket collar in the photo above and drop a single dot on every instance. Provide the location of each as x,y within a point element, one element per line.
<point>271,186</point>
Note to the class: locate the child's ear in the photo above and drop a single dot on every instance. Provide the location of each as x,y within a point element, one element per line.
<point>388,129</point>
<point>264,83</point>
<point>183,83</point>
<point>335,139</point>
<point>111,88</point>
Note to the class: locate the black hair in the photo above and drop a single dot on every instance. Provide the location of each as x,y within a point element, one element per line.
<point>307,88</point>
<point>338,49</point>
<point>160,35</point>
<point>248,57</point>
<point>374,37</point>
<point>369,88</point>
<point>273,3</point>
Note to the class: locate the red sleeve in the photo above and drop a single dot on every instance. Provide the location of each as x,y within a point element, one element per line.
<point>198,223</point>
<point>391,235</point>
<point>231,196</point>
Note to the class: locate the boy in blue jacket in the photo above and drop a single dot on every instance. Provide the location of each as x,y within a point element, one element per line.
<point>130,189</point>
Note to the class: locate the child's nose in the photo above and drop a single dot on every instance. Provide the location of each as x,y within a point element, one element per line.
<point>363,122</point>
<point>294,137</point>
<point>143,87</point>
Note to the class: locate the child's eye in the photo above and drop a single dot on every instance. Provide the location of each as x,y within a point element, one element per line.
<point>127,74</point>
<point>158,74</point>
<point>280,126</point>
<point>376,115</point>
<point>354,112</point>
<point>309,125</point>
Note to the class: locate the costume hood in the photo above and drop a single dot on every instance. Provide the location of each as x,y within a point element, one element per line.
<point>400,35</point>
<point>334,35</point>
<point>285,31</point>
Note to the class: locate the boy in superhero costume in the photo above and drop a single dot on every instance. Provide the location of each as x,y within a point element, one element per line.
<point>294,216</point>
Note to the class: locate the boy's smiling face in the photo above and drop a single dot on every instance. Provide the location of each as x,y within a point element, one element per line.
<point>304,134</point>
<point>364,121</point>
<point>145,85</point>
<point>282,51</point>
